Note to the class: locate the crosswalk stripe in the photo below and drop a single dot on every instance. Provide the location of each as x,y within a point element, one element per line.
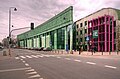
<point>28,56</point>
<point>34,56</point>
<point>35,76</point>
<point>17,58</point>
<point>32,72</point>
<point>39,56</point>
<point>22,57</point>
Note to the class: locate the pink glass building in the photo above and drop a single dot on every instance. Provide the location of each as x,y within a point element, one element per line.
<point>105,23</point>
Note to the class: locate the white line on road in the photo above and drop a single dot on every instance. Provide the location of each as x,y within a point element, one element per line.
<point>77,60</point>
<point>91,63</point>
<point>46,55</point>
<point>23,61</point>
<point>39,56</point>
<point>32,72</point>
<point>34,56</point>
<point>17,58</point>
<point>110,67</point>
<point>7,70</point>
<point>26,64</point>
<point>34,76</point>
<point>58,57</point>
<point>22,57</point>
<point>28,56</point>
<point>40,78</point>
<point>67,58</point>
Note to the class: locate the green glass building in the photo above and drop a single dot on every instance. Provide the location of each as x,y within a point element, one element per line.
<point>56,33</point>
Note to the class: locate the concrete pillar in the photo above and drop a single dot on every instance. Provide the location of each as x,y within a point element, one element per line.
<point>66,37</point>
<point>105,34</point>
<point>71,37</point>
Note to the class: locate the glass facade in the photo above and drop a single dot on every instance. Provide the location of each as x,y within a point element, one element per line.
<point>61,38</point>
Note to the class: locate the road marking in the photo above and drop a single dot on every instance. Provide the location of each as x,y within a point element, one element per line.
<point>39,56</point>
<point>46,55</point>
<point>40,78</point>
<point>58,57</point>
<point>77,60</point>
<point>110,67</point>
<point>22,57</point>
<point>8,70</point>
<point>67,58</point>
<point>32,72</point>
<point>34,76</point>
<point>52,55</point>
<point>23,61</point>
<point>17,58</point>
<point>26,64</point>
<point>91,63</point>
<point>28,56</point>
<point>34,56</point>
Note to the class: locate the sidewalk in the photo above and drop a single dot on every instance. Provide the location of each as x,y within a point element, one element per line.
<point>110,55</point>
<point>6,55</point>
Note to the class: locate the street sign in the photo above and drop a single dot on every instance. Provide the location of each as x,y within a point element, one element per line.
<point>95,33</point>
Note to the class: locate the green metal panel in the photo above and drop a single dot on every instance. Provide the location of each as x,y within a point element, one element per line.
<point>38,42</point>
<point>34,41</point>
<point>48,41</point>
<point>30,43</point>
<point>27,43</point>
<point>43,41</point>
<point>66,37</point>
<point>55,39</point>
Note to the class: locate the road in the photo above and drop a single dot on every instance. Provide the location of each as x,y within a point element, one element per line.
<point>27,64</point>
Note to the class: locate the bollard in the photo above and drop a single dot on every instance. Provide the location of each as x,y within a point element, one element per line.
<point>4,53</point>
<point>117,52</point>
<point>109,52</point>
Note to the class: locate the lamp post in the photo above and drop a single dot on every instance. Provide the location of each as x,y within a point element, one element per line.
<point>10,26</point>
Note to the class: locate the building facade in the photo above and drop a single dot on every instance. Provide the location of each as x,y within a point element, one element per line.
<point>99,31</point>
<point>53,33</point>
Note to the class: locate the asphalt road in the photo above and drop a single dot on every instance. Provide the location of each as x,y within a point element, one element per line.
<point>26,64</point>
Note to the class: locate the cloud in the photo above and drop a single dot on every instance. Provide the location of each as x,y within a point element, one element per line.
<point>39,11</point>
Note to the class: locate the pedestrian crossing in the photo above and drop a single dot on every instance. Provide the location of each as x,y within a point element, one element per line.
<point>34,56</point>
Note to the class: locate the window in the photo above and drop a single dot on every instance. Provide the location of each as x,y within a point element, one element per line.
<point>80,31</point>
<point>114,23</point>
<point>77,26</point>
<point>76,39</point>
<point>80,39</point>
<point>80,24</point>
<point>77,33</point>
<point>85,30</point>
<point>85,23</point>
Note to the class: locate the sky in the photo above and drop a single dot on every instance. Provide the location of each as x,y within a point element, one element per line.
<point>39,11</point>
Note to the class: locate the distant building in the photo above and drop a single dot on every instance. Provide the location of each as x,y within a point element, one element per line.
<point>99,30</point>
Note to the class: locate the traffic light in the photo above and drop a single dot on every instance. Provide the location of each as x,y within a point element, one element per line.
<point>32,26</point>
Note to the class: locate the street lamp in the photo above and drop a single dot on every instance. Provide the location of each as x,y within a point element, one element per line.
<point>15,9</point>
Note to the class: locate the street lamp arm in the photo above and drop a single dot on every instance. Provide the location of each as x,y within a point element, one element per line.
<point>18,29</point>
